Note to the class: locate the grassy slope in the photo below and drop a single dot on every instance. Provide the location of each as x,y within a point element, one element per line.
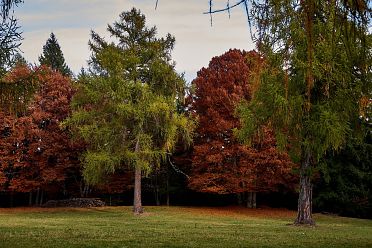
<point>175,227</point>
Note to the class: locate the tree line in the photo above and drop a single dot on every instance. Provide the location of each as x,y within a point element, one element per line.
<point>258,121</point>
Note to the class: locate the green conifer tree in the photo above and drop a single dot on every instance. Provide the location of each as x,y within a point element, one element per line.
<point>53,57</point>
<point>126,107</point>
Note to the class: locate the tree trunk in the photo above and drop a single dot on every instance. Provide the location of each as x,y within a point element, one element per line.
<point>41,198</point>
<point>137,205</point>
<point>304,210</point>
<point>156,190</point>
<point>11,200</point>
<point>37,196</point>
<point>137,202</point>
<point>239,197</point>
<point>30,199</point>
<point>251,199</point>
<point>168,200</point>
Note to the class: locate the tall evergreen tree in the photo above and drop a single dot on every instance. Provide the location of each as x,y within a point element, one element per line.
<point>317,80</point>
<point>126,107</point>
<point>53,57</point>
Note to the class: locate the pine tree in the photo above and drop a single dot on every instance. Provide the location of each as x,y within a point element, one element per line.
<point>126,107</point>
<point>53,57</point>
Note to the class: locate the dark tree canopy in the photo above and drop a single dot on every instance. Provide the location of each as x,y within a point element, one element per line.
<point>53,57</point>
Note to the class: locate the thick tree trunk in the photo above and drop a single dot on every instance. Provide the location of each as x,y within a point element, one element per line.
<point>137,205</point>
<point>304,210</point>
<point>137,202</point>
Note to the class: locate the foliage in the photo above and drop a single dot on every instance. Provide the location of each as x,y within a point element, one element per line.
<point>346,182</point>
<point>318,72</point>
<point>125,107</point>
<point>53,57</point>
<point>220,164</point>
<point>35,151</point>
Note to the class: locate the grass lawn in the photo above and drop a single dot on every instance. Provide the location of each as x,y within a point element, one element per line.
<point>175,227</point>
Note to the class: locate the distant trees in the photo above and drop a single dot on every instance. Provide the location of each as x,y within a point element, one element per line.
<point>220,163</point>
<point>53,57</point>
<point>125,107</point>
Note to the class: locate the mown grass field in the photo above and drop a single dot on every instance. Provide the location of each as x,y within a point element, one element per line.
<point>175,227</point>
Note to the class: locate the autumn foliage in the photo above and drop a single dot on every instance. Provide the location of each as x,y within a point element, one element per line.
<point>36,154</point>
<point>221,164</point>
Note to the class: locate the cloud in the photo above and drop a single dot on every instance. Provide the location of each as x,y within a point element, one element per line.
<point>196,41</point>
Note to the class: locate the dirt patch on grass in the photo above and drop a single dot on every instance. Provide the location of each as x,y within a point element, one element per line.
<point>48,210</point>
<point>231,211</point>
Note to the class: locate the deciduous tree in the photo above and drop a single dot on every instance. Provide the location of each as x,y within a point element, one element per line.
<point>220,164</point>
<point>36,154</point>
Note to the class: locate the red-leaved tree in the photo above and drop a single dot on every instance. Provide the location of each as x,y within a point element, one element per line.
<point>36,155</point>
<point>220,164</point>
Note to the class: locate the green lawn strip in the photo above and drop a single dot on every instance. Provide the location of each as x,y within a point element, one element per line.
<point>174,227</point>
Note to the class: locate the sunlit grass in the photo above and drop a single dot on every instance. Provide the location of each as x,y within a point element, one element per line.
<point>176,227</point>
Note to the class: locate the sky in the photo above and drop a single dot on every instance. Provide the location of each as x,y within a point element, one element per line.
<point>72,20</point>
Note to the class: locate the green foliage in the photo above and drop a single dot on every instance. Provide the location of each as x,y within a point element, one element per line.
<point>125,108</point>
<point>315,75</point>
<point>345,182</point>
<point>53,57</point>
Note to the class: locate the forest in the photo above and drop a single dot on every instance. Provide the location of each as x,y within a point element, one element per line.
<point>287,125</point>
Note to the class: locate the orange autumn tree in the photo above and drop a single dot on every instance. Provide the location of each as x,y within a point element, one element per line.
<point>36,155</point>
<point>220,164</point>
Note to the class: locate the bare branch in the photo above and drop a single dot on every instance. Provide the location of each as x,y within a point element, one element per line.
<point>228,8</point>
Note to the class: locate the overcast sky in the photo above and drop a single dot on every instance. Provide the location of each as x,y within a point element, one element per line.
<point>71,21</point>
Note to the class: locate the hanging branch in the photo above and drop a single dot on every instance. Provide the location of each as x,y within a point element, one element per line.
<point>210,11</point>
<point>177,169</point>
<point>228,8</point>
